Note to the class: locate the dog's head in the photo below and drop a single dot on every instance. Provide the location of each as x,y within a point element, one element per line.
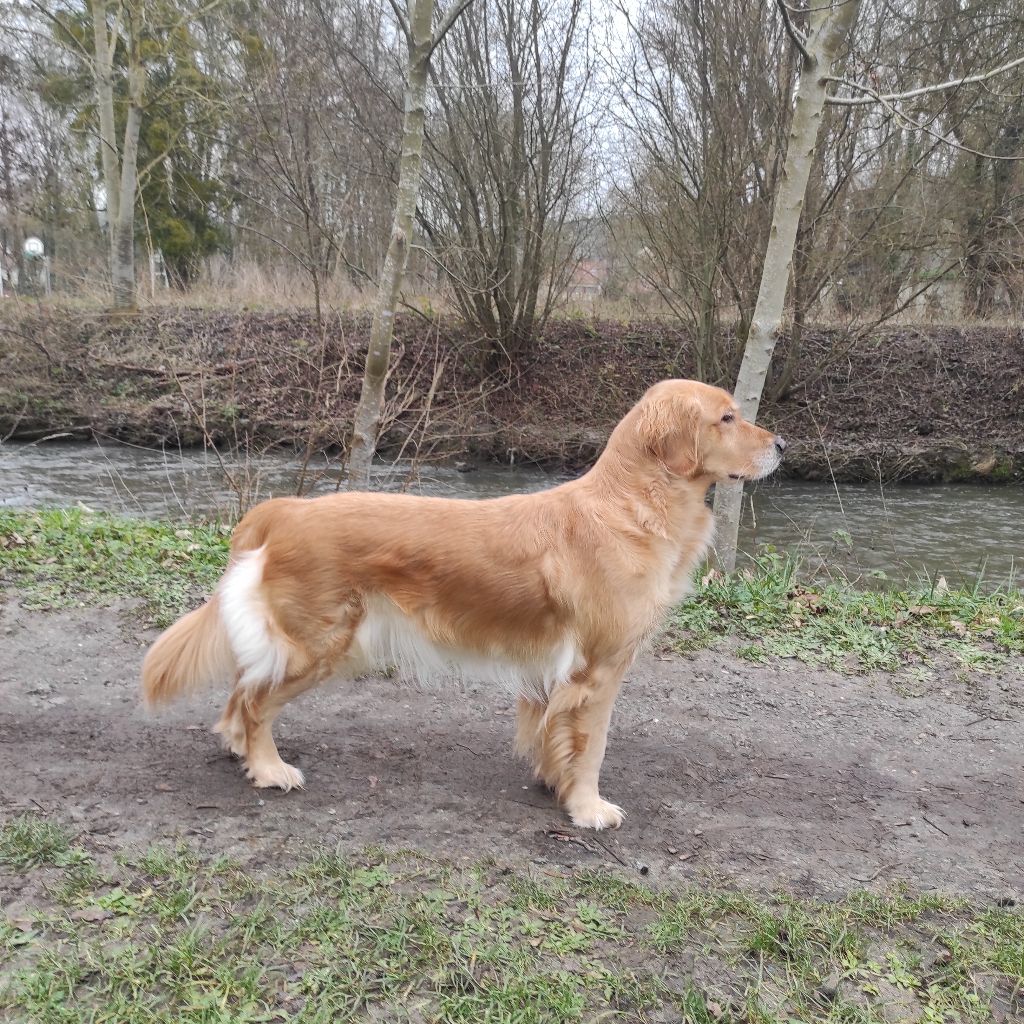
<point>697,431</point>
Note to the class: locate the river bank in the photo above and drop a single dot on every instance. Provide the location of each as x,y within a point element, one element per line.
<point>923,404</point>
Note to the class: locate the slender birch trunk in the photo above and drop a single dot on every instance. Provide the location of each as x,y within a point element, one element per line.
<point>371,399</point>
<point>829,26</point>
<point>122,267</point>
<point>120,163</point>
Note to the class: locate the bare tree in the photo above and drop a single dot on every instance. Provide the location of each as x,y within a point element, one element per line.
<point>114,43</point>
<point>705,99</point>
<point>311,150</point>
<point>507,163</point>
<point>421,41</point>
<point>16,171</point>
<point>829,27</point>
<point>119,160</point>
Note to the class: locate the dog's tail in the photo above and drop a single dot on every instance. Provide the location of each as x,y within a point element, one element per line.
<point>194,653</point>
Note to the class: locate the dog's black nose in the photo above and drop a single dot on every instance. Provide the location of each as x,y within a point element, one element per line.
<point>780,444</point>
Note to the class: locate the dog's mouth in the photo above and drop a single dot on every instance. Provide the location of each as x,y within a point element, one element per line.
<point>766,465</point>
<point>770,461</point>
<point>759,466</point>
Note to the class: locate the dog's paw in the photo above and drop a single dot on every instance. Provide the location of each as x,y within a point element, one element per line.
<point>283,776</point>
<point>232,736</point>
<point>595,813</point>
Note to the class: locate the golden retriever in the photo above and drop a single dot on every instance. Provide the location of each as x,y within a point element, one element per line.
<point>548,595</point>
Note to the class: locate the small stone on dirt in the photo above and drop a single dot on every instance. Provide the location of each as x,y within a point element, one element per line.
<point>829,988</point>
<point>91,914</point>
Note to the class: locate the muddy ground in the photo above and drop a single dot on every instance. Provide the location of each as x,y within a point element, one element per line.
<point>773,776</point>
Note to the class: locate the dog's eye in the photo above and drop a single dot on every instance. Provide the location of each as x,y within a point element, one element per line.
<point>728,417</point>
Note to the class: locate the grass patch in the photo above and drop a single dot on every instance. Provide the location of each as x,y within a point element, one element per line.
<point>167,935</point>
<point>28,842</point>
<point>61,557</point>
<point>771,611</point>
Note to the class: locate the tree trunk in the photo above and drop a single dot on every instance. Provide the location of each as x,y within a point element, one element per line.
<point>120,166</point>
<point>103,61</point>
<point>371,398</point>
<point>828,28</point>
<point>122,236</point>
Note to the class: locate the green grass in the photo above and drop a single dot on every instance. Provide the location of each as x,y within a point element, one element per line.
<point>164,934</point>
<point>62,557</point>
<point>772,611</point>
<point>29,842</point>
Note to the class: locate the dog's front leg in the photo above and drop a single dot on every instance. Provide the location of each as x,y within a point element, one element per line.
<point>572,747</point>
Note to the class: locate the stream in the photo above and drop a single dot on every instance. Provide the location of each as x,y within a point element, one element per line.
<point>964,532</point>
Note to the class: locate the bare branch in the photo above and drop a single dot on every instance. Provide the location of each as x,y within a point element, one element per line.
<point>873,97</point>
<point>907,120</point>
<point>799,39</point>
<point>449,19</point>
<point>403,22</point>
<point>69,36</point>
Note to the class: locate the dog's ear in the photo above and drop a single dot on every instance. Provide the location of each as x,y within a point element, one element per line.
<point>667,426</point>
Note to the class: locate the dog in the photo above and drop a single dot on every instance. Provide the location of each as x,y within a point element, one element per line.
<point>548,595</point>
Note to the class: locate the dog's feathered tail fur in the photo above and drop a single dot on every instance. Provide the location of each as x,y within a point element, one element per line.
<point>194,653</point>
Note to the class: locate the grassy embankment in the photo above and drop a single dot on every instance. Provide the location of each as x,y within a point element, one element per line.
<point>903,403</point>
<point>159,935</point>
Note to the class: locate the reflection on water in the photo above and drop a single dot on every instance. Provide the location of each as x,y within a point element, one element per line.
<point>957,530</point>
<point>962,531</point>
<point>141,481</point>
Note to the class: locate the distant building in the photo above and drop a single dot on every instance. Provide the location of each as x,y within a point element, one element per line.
<point>588,280</point>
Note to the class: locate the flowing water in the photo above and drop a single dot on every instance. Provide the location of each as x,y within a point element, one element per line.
<point>960,531</point>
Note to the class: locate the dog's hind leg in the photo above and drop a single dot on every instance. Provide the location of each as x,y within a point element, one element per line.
<point>530,736</point>
<point>231,725</point>
<point>573,744</point>
<point>258,708</point>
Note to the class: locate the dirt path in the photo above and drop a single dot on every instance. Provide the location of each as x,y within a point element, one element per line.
<point>776,776</point>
